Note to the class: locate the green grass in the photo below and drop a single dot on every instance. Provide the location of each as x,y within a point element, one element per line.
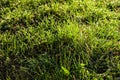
<point>59,39</point>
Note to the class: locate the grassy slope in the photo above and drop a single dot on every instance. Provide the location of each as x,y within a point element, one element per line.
<point>59,39</point>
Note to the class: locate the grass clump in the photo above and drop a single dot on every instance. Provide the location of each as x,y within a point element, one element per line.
<point>59,39</point>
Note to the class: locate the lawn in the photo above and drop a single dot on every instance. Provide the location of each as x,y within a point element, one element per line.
<point>59,39</point>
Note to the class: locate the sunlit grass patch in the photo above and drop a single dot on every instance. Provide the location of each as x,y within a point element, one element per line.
<point>59,39</point>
